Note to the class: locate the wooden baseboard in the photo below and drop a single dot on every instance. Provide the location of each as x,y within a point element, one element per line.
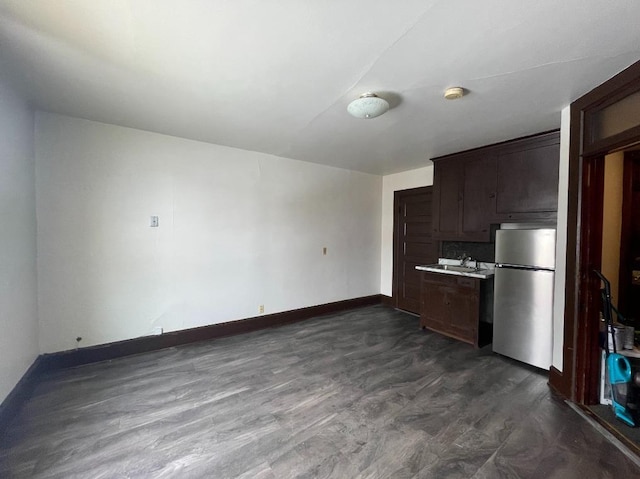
<point>387,301</point>
<point>103,352</point>
<point>93,354</point>
<point>560,383</point>
<point>18,395</point>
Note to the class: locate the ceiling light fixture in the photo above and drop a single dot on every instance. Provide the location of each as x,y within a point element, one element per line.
<point>369,105</point>
<point>454,93</point>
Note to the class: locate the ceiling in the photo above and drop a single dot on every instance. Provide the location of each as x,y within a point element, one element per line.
<point>276,76</point>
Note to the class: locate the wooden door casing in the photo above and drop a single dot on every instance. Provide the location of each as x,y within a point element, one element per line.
<point>580,360</point>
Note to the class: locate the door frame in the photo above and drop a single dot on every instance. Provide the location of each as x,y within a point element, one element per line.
<point>578,380</point>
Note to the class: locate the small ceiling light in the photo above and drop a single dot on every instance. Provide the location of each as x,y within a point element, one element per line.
<point>369,105</point>
<point>454,93</point>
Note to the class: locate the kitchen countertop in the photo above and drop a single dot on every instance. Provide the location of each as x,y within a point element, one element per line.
<point>481,270</point>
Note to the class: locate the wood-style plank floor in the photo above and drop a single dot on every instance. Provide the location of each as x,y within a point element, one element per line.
<point>362,394</point>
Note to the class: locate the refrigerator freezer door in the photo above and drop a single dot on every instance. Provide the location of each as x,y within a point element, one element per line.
<point>534,247</point>
<point>522,316</point>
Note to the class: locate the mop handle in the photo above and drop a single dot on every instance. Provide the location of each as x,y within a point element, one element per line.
<point>606,310</point>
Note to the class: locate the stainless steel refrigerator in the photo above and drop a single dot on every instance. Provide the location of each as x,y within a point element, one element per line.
<point>523,294</point>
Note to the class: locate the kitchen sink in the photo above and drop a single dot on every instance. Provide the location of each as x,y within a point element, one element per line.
<point>484,271</point>
<point>451,267</point>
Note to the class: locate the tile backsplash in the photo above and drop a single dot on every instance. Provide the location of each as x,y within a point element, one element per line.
<point>478,251</point>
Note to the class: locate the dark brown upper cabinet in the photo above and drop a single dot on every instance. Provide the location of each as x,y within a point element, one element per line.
<point>527,179</point>
<point>447,199</point>
<point>514,181</point>
<point>463,188</point>
<point>479,197</point>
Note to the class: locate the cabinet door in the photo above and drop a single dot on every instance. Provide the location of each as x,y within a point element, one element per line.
<point>451,306</point>
<point>447,199</point>
<point>527,182</point>
<point>465,311</point>
<point>479,192</point>
<point>434,310</point>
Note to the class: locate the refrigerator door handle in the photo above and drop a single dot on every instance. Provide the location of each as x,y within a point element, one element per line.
<point>522,267</point>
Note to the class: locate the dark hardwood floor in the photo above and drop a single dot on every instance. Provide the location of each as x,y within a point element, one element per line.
<point>361,394</point>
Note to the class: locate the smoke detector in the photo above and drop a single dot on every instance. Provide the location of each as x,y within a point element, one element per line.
<point>454,93</point>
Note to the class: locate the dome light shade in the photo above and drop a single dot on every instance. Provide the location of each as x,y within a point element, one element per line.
<point>369,105</point>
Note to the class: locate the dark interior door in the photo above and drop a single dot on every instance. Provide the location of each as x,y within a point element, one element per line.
<point>413,244</point>
<point>629,280</point>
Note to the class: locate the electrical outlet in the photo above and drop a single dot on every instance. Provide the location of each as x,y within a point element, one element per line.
<point>154,222</point>
<point>261,309</point>
<point>158,330</point>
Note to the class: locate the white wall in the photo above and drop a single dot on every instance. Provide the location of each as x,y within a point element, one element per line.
<point>237,229</point>
<point>561,242</point>
<point>18,312</point>
<point>390,183</point>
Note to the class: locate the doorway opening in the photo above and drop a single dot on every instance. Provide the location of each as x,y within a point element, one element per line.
<point>605,120</point>
<point>620,264</point>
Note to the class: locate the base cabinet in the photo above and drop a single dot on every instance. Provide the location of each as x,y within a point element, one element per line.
<point>456,306</point>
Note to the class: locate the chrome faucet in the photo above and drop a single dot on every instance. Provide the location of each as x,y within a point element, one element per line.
<point>464,259</point>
